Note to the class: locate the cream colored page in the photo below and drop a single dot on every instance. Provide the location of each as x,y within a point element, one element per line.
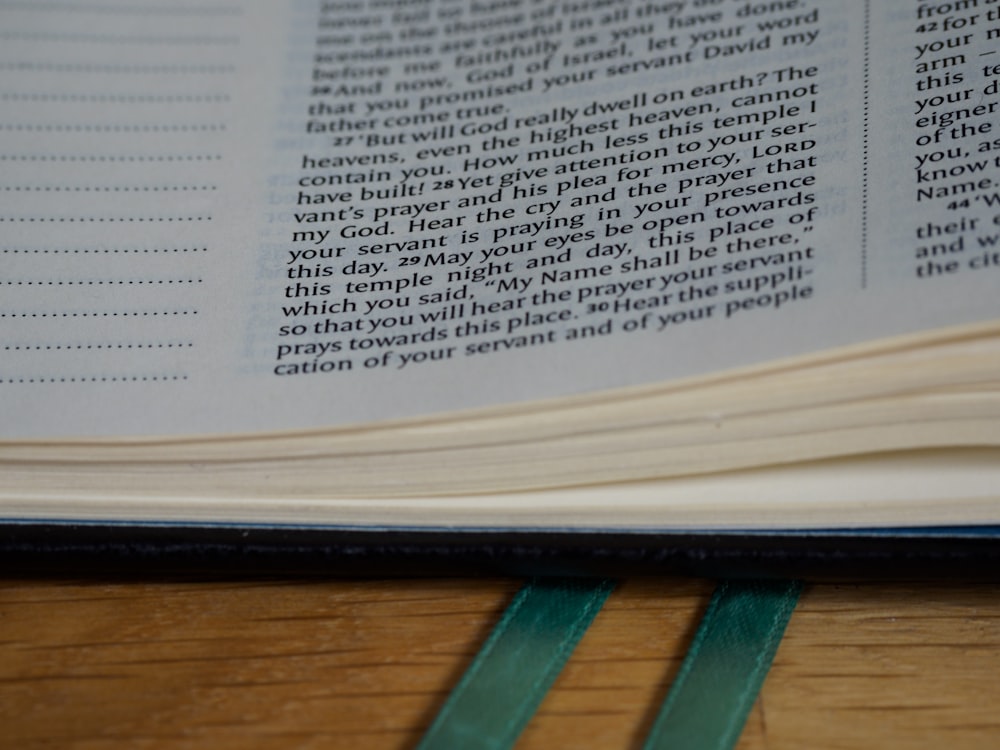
<point>239,216</point>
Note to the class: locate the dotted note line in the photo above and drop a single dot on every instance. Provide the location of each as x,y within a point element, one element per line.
<point>103,282</point>
<point>110,68</point>
<point>111,157</point>
<point>137,314</point>
<point>20,96</point>
<point>99,219</point>
<point>40,36</point>
<point>101,128</point>
<point>104,188</point>
<point>99,250</point>
<point>158,10</point>
<point>93,379</point>
<point>865,142</point>
<point>65,347</point>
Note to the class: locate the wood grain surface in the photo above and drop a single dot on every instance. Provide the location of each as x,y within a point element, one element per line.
<point>366,664</point>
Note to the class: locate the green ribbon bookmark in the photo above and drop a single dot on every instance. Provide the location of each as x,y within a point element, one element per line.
<point>725,666</point>
<point>707,705</point>
<point>513,671</point>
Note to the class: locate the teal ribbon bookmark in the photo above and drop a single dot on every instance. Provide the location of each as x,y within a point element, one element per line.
<point>725,666</point>
<point>513,671</point>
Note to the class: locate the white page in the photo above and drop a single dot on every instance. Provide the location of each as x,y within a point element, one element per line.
<point>160,166</point>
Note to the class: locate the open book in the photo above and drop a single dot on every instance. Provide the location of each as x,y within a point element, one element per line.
<point>585,265</point>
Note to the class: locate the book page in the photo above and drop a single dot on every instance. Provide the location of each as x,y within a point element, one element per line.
<point>236,216</point>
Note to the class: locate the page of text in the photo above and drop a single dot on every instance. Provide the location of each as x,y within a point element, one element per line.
<point>244,216</point>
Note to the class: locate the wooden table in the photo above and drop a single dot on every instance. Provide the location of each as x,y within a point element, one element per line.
<point>312,663</point>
